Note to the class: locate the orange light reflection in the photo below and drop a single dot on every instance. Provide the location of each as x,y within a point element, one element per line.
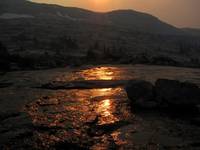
<point>105,109</point>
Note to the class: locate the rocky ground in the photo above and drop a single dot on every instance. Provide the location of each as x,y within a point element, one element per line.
<point>91,110</point>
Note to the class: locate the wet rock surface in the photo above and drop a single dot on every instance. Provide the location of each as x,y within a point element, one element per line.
<point>173,92</point>
<point>14,127</point>
<point>141,93</point>
<point>164,94</point>
<point>6,84</point>
<point>90,118</point>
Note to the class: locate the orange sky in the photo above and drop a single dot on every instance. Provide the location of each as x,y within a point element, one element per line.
<point>181,13</point>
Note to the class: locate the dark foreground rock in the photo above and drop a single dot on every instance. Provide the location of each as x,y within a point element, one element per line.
<point>172,92</point>
<point>4,85</point>
<point>141,93</point>
<point>165,93</point>
<point>16,126</point>
<point>196,121</point>
<point>70,146</point>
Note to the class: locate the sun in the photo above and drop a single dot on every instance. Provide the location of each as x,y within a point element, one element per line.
<point>100,4</point>
<point>99,1</point>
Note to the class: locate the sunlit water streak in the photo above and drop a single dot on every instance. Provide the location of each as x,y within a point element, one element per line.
<point>129,72</point>
<point>97,73</point>
<point>101,73</point>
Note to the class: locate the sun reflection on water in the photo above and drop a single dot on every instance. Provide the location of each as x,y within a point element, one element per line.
<point>106,108</point>
<point>100,73</point>
<point>96,73</point>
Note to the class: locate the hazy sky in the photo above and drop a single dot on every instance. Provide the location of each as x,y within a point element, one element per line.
<point>181,13</point>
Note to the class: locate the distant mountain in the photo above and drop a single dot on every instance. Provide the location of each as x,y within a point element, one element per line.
<point>46,34</point>
<point>192,31</point>
<point>128,19</point>
<point>32,29</point>
<point>141,21</point>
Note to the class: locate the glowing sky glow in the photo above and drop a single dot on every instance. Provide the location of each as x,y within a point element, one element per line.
<point>181,13</point>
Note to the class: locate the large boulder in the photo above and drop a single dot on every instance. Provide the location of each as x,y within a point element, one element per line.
<point>175,93</point>
<point>140,93</point>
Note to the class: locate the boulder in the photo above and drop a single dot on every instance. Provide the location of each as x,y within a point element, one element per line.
<point>175,93</point>
<point>165,94</point>
<point>140,93</point>
<point>15,126</point>
<point>198,108</point>
<point>196,121</point>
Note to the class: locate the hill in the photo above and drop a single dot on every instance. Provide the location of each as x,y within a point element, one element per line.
<point>130,19</point>
<point>53,35</point>
<point>192,31</point>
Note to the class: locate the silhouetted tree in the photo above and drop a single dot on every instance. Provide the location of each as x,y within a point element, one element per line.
<point>4,58</point>
<point>90,55</point>
<point>106,52</point>
<point>36,42</point>
<point>195,62</point>
<point>96,45</point>
<point>64,43</point>
<point>72,43</point>
<point>3,50</point>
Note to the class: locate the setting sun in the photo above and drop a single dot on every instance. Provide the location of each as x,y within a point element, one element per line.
<point>100,4</point>
<point>100,1</point>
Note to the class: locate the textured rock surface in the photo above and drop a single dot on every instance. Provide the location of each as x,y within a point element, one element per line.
<point>172,92</point>
<point>141,93</point>
<point>165,93</point>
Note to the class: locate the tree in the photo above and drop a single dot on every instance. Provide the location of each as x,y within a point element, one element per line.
<point>3,50</point>
<point>96,45</point>
<point>64,43</point>
<point>90,55</point>
<point>4,58</point>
